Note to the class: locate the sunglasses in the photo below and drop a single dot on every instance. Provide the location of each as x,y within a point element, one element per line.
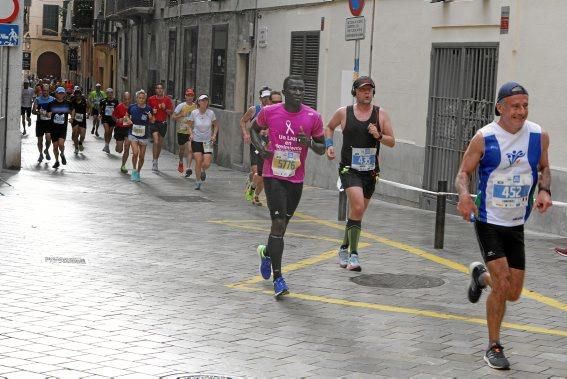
<point>276,101</point>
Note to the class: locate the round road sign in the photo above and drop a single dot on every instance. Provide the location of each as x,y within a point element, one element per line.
<point>9,11</point>
<point>356,7</point>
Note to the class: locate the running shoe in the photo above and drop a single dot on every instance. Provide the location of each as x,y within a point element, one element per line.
<point>76,150</point>
<point>155,165</point>
<point>40,159</point>
<point>256,201</point>
<point>56,164</point>
<point>353,263</point>
<point>180,167</point>
<point>47,156</point>
<point>106,149</point>
<point>123,169</point>
<point>561,251</point>
<point>63,159</point>
<point>24,132</point>
<point>188,173</point>
<point>280,288</point>
<point>476,269</point>
<point>343,257</point>
<point>134,176</point>
<point>265,262</point>
<point>198,185</point>
<point>250,194</point>
<point>203,175</point>
<point>495,357</point>
<point>81,147</point>
<point>92,130</point>
<point>96,133</point>
<point>29,121</point>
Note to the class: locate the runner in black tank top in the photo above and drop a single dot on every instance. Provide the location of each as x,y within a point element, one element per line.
<point>359,168</point>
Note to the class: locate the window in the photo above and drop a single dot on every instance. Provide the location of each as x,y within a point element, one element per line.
<point>50,20</point>
<point>190,40</point>
<point>171,62</point>
<point>218,65</point>
<point>304,61</point>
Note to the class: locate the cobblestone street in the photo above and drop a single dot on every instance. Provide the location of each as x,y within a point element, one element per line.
<point>105,278</point>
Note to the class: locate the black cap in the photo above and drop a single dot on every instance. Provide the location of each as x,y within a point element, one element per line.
<point>507,90</point>
<point>363,81</point>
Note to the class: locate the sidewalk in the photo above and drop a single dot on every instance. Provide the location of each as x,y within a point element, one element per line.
<point>105,278</point>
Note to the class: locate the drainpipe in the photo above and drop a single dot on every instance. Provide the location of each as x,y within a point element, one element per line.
<point>372,38</point>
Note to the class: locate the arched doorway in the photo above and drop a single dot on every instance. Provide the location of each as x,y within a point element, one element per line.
<point>48,64</point>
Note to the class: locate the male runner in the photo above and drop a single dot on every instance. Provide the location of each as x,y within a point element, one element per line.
<point>509,154</point>
<point>106,109</point>
<point>59,110</point>
<point>122,130</point>
<point>28,95</point>
<point>162,106</point>
<point>180,114</point>
<point>293,128</point>
<point>276,97</point>
<point>79,117</point>
<point>43,124</point>
<point>255,184</point>
<point>365,127</point>
<point>95,97</point>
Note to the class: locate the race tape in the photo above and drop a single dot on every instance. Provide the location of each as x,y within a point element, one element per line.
<point>408,187</point>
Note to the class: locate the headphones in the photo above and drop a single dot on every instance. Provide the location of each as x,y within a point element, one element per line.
<point>357,81</point>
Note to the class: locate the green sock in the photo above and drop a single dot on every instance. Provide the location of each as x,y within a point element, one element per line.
<point>354,228</point>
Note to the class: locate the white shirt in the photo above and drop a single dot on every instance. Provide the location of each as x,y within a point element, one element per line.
<point>27,97</point>
<point>202,125</point>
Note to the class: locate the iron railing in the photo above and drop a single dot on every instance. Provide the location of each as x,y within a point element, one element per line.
<point>117,7</point>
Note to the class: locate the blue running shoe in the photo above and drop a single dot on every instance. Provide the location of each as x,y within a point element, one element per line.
<point>265,262</point>
<point>280,288</point>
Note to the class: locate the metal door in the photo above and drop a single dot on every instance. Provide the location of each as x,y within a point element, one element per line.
<point>461,101</point>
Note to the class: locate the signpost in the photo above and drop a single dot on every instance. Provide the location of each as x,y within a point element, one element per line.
<point>355,30</point>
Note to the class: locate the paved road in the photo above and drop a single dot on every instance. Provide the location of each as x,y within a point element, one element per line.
<point>102,277</point>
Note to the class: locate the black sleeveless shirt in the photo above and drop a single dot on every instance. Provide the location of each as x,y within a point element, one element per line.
<point>355,134</point>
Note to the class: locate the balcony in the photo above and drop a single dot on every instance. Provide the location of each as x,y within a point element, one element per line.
<point>123,9</point>
<point>83,15</point>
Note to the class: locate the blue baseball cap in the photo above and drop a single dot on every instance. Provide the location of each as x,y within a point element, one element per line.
<point>60,90</point>
<point>507,90</point>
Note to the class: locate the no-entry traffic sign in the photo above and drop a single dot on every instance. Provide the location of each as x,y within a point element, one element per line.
<point>9,10</point>
<point>356,7</point>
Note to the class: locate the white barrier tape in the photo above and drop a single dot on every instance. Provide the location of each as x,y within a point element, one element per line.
<point>408,187</point>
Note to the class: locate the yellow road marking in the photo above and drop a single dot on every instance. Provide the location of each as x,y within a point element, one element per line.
<point>267,230</point>
<point>434,258</point>
<point>411,311</point>
<point>296,266</point>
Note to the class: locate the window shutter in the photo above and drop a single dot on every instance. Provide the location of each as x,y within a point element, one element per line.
<point>304,61</point>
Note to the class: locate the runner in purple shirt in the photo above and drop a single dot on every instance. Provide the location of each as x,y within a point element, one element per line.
<point>292,128</point>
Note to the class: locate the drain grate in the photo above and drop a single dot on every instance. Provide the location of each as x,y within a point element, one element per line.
<point>71,260</point>
<point>185,199</point>
<point>399,281</point>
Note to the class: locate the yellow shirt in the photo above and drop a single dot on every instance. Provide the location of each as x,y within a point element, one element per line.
<point>185,110</point>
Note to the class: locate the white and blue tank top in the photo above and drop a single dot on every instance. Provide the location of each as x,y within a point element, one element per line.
<point>508,174</point>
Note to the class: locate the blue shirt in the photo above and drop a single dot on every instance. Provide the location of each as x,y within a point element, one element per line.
<point>139,117</point>
<point>42,103</point>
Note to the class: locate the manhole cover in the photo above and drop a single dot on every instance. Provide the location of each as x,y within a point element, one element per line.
<point>185,199</point>
<point>198,376</point>
<point>80,261</point>
<point>400,281</point>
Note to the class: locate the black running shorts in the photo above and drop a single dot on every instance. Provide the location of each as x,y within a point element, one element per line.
<point>58,132</point>
<point>256,160</point>
<point>26,111</point>
<point>42,127</point>
<point>353,178</point>
<point>160,127</point>
<point>108,120</point>
<point>283,197</point>
<point>182,138</point>
<point>121,133</point>
<point>497,241</point>
<point>197,147</point>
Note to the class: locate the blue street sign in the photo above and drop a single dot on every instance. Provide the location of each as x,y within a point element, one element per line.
<point>9,35</point>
